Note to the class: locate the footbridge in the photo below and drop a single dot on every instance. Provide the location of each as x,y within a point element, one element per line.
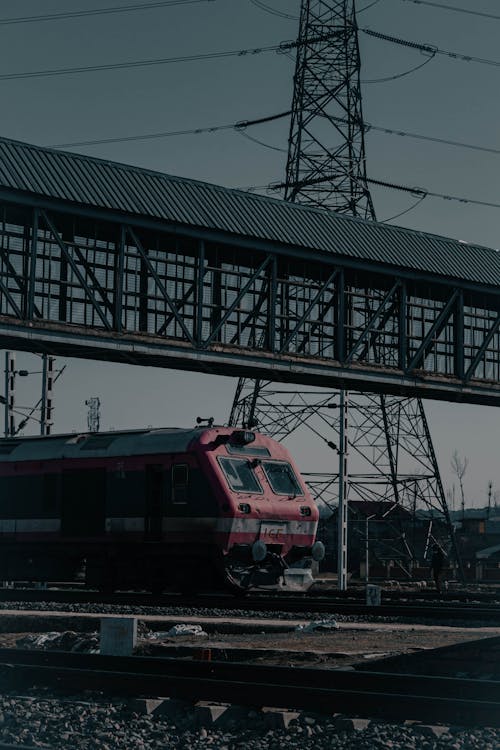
<point>113,262</point>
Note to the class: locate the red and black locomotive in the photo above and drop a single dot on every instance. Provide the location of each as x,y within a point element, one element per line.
<point>155,509</point>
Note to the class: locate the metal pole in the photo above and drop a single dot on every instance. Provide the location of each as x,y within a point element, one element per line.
<point>343,489</point>
<point>10,376</point>
<point>46,400</point>
<point>367,552</point>
<point>6,396</point>
<point>43,405</point>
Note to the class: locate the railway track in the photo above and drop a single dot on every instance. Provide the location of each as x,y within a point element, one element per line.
<point>462,702</point>
<point>323,604</point>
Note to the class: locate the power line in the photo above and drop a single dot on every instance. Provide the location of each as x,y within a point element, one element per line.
<point>367,7</point>
<point>238,126</point>
<point>430,194</point>
<point>389,131</point>
<point>455,9</point>
<point>241,125</point>
<point>400,75</point>
<point>144,137</point>
<point>416,191</point>
<point>281,14</point>
<point>135,64</point>
<point>405,211</point>
<point>283,47</point>
<point>96,12</point>
<point>430,48</point>
<point>432,139</point>
<point>273,11</point>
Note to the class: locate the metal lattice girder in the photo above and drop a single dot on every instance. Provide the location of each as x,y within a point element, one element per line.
<point>71,285</point>
<point>391,456</point>
<point>326,154</point>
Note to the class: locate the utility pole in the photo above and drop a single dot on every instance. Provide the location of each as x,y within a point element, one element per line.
<point>46,403</point>
<point>10,394</point>
<point>343,510</point>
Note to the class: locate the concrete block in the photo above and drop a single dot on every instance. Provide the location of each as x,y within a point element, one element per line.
<point>430,730</point>
<point>359,725</point>
<point>118,636</point>
<point>274,718</point>
<point>234,717</point>
<point>172,709</point>
<point>344,724</point>
<point>298,579</point>
<point>145,706</point>
<point>206,713</point>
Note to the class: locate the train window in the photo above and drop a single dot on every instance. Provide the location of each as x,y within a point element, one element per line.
<point>180,480</point>
<point>248,450</point>
<point>240,475</point>
<point>282,478</point>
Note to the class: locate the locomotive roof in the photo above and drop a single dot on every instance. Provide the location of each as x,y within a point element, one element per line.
<point>86,445</point>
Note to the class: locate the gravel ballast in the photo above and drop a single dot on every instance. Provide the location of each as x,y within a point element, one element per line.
<point>87,722</point>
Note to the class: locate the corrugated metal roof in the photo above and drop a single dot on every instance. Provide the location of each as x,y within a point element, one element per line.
<point>104,184</point>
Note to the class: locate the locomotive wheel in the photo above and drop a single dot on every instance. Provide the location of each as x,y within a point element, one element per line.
<point>238,580</point>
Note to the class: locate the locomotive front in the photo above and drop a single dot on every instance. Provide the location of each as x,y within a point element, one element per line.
<point>267,519</point>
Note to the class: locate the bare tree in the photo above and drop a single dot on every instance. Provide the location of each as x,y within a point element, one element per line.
<point>459,467</point>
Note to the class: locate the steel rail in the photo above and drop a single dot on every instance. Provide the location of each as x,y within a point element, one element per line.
<point>440,699</point>
<point>297,605</point>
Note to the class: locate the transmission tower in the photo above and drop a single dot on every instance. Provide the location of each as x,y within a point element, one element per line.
<point>389,440</point>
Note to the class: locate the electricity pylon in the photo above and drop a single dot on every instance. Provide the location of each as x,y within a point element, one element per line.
<point>388,436</point>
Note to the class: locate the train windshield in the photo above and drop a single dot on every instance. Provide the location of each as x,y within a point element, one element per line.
<point>240,475</point>
<point>282,478</point>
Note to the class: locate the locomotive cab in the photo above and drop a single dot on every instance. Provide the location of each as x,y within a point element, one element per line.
<point>270,516</point>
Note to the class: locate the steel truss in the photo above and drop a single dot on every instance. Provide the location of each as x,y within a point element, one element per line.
<point>133,291</point>
<point>326,167</point>
<point>391,458</point>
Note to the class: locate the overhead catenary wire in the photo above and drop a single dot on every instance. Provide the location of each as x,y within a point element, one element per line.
<point>282,47</point>
<point>454,9</point>
<point>273,11</point>
<point>282,14</point>
<point>238,126</point>
<point>68,15</point>
<point>241,125</point>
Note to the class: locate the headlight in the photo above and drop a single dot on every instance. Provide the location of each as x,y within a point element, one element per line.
<point>259,551</point>
<point>318,551</point>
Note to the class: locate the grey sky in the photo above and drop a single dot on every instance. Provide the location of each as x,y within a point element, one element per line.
<point>446,98</point>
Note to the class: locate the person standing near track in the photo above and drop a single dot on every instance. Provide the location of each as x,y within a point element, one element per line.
<point>437,563</point>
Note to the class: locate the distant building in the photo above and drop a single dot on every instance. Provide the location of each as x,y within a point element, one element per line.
<point>478,538</point>
<point>399,542</point>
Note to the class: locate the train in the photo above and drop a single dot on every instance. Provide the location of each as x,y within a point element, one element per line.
<point>156,509</point>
